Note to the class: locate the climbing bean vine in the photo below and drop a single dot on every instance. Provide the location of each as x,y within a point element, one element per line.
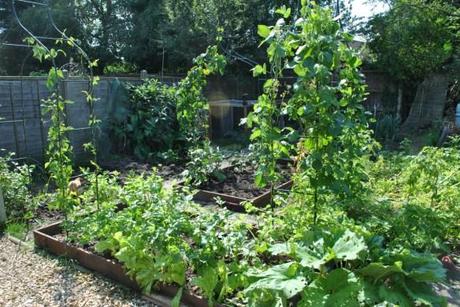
<point>192,107</point>
<point>325,102</point>
<point>59,151</point>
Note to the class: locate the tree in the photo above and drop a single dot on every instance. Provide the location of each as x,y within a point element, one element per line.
<point>105,25</point>
<point>146,39</point>
<point>17,60</point>
<point>184,28</point>
<point>414,38</point>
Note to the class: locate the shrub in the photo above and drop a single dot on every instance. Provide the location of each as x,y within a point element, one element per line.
<point>150,126</point>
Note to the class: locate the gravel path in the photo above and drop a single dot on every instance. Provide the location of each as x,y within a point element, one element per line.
<point>31,279</point>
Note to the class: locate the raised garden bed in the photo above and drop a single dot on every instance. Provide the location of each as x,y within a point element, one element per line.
<point>46,238</point>
<point>239,187</point>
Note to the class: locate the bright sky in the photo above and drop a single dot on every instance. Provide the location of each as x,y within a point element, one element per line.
<point>362,8</point>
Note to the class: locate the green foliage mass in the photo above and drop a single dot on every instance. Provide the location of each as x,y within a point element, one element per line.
<point>59,150</point>
<point>204,163</point>
<point>409,191</point>
<point>120,68</point>
<point>162,237</point>
<point>352,232</point>
<point>414,38</point>
<point>142,32</point>
<point>150,126</point>
<point>164,121</point>
<point>159,235</point>
<point>15,181</point>
<point>192,106</point>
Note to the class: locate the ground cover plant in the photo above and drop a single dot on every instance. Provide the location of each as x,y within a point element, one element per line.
<point>339,239</point>
<point>410,190</point>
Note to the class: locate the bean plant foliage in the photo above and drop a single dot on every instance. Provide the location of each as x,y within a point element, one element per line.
<point>294,254</point>
<point>192,106</point>
<point>326,103</point>
<point>59,150</point>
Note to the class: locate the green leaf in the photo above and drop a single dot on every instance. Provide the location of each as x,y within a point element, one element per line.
<point>263,31</point>
<point>256,133</point>
<point>422,267</point>
<point>339,288</point>
<point>283,11</point>
<point>281,278</point>
<point>176,300</point>
<point>378,270</point>
<point>259,70</point>
<point>207,280</point>
<point>300,70</point>
<point>370,294</point>
<point>355,62</point>
<point>447,47</point>
<point>394,295</point>
<point>260,180</point>
<point>279,249</point>
<point>314,296</point>
<point>313,256</point>
<point>146,276</point>
<point>349,246</point>
<point>423,293</point>
<point>105,245</point>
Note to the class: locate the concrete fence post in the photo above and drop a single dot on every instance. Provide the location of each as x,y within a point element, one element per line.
<point>2,208</point>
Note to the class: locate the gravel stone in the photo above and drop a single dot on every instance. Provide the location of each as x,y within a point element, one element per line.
<point>33,279</point>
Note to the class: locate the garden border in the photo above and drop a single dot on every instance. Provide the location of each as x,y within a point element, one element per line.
<point>43,238</point>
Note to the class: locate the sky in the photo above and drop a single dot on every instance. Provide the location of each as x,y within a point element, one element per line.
<point>362,8</point>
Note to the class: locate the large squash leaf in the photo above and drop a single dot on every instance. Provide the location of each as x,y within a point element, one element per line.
<point>283,278</point>
<point>349,246</point>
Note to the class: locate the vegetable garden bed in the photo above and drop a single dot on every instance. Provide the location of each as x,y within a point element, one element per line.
<point>235,203</point>
<point>45,238</point>
<point>238,188</point>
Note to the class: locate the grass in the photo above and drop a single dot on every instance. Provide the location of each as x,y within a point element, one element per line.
<point>17,230</point>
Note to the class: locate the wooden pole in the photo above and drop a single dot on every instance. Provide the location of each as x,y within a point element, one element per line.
<point>2,209</point>
<point>400,100</point>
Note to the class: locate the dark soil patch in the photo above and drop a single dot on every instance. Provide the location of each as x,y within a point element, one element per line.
<point>46,216</point>
<point>240,181</point>
<point>126,166</point>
